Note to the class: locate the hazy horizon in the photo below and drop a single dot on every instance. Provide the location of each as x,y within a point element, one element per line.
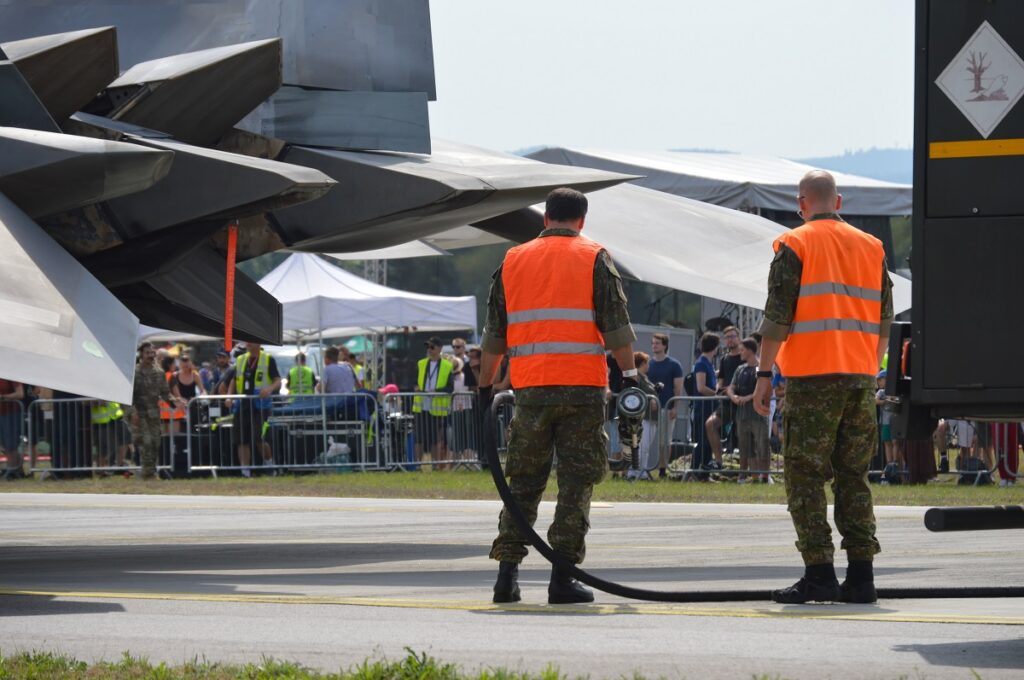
<point>792,78</point>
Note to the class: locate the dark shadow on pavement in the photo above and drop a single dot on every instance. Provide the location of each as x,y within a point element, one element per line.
<point>12,606</point>
<point>210,568</point>
<point>981,654</point>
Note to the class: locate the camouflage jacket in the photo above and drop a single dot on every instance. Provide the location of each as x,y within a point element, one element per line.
<point>149,389</point>
<point>784,290</point>
<point>611,315</point>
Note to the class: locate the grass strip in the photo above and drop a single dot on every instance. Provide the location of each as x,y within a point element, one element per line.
<point>477,485</point>
<point>414,666</point>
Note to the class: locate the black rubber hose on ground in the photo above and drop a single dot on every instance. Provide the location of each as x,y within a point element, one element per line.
<point>692,596</point>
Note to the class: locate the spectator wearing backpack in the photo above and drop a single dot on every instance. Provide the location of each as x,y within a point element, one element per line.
<point>669,372</point>
<point>705,384</point>
<point>751,427</point>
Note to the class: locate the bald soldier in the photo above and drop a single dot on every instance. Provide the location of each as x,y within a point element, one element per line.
<point>826,325</point>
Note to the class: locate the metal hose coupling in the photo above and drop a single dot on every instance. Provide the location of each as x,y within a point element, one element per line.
<point>630,406</point>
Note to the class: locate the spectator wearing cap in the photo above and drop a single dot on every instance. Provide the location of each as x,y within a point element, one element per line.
<point>433,375</point>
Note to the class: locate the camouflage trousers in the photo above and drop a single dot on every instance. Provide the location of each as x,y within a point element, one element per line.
<point>577,433</point>
<point>830,426</point>
<point>147,443</point>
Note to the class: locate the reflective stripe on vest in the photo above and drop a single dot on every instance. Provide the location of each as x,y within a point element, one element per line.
<point>551,315</point>
<point>829,287</point>
<point>439,406</point>
<point>553,338</point>
<point>555,348</point>
<point>835,325</point>
<point>837,322</point>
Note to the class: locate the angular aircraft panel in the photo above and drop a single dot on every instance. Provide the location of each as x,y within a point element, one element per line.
<point>49,172</point>
<point>388,198</point>
<point>59,327</point>
<point>203,183</point>
<point>66,70</point>
<point>198,96</point>
<point>19,105</point>
<point>375,45</point>
<point>190,298</point>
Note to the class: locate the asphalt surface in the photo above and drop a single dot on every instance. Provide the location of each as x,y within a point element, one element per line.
<point>330,582</point>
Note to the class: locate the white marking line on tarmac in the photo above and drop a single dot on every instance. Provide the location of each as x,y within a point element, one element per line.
<point>835,612</point>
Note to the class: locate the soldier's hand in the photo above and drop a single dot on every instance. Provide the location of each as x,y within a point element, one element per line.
<point>264,392</point>
<point>762,395</point>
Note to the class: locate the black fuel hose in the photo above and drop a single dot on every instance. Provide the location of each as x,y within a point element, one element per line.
<point>690,596</point>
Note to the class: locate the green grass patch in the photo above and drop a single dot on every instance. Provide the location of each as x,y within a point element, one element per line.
<point>476,485</point>
<point>414,666</point>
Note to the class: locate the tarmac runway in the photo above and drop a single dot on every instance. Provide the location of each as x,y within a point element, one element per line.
<point>329,582</point>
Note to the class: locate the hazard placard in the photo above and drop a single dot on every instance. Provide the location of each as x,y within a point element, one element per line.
<point>985,80</point>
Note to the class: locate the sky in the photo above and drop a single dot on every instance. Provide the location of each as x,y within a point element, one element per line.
<point>791,78</point>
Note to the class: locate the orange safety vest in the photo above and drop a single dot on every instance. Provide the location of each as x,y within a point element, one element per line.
<point>838,315</point>
<point>553,338</point>
<point>166,412</point>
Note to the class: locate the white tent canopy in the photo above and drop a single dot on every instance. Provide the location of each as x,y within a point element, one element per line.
<point>692,246</point>
<point>734,180</point>
<point>320,297</point>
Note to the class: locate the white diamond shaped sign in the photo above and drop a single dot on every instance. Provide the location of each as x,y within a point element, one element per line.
<point>985,79</point>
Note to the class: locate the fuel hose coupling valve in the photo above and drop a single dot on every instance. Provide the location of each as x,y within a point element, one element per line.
<point>630,406</point>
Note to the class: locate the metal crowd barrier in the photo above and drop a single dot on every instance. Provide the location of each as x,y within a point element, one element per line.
<point>433,431</point>
<point>12,431</point>
<point>745,456</point>
<point>340,432</point>
<point>76,436</point>
<point>1004,460</point>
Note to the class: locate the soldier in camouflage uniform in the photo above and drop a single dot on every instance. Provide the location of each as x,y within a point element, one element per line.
<point>568,419</point>
<point>150,388</point>
<point>830,423</point>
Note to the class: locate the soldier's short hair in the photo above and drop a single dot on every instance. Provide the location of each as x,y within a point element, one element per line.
<point>300,357</point>
<point>564,204</point>
<point>750,344</point>
<point>662,338</point>
<point>332,353</point>
<point>727,329</point>
<point>709,342</point>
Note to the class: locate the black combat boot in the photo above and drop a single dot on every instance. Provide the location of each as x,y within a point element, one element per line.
<point>859,585</point>
<point>506,588</point>
<point>819,584</point>
<point>564,589</point>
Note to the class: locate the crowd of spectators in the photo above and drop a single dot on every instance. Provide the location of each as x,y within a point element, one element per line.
<point>448,427</point>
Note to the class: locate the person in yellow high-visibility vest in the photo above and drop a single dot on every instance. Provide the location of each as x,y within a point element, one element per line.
<point>257,378</point>
<point>434,374</point>
<point>300,377</point>
<point>109,433</point>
